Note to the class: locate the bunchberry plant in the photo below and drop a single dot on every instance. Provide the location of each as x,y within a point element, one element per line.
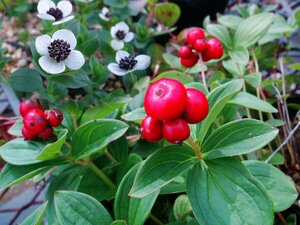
<point>122,129</point>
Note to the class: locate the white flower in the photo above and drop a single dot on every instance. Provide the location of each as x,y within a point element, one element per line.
<point>59,13</point>
<point>105,15</point>
<point>127,63</point>
<point>120,34</point>
<point>58,52</point>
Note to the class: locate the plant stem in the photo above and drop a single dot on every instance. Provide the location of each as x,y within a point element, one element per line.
<point>195,147</point>
<point>202,71</point>
<point>102,176</point>
<point>247,109</point>
<point>155,219</point>
<point>284,143</point>
<point>110,157</point>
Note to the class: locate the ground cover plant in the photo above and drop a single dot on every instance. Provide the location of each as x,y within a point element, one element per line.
<point>120,128</point>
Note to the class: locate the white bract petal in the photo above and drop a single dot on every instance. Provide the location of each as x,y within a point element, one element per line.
<point>67,36</point>
<point>122,26</point>
<point>117,44</point>
<point>45,16</point>
<point>115,69</point>
<point>75,60</point>
<point>143,62</point>
<point>105,10</point>
<point>44,5</point>
<point>102,16</point>
<point>120,55</point>
<point>136,6</point>
<point>63,20</point>
<point>113,31</point>
<point>66,7</point>
<point>51,66</point>
<point>85,1</point>
<point>128,37</point>
<point>42,43</point>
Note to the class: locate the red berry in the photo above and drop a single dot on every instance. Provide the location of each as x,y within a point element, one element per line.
<point>189,62</point>
<point>151,129</point>
<point>54,117</point>
<point>184,52</point>
<point>27,134</point>
<point>176,130</point>
<point>214,49</point>
<point>35,121</point>
<point>197,106</point>
<point>195,34</point>
<point>199,45</point>
<point>47,133</point>
<point>165,99</point>
<point>27,105</point>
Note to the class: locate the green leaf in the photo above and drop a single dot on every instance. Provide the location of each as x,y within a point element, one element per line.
<point>217,100</point>
<point>220,32</point>
<point>252,102</point>
<point>21,152</point>
<point>95,135</point>
<point>222,191</point>
<point>16,128</point>
<point>240,55</point>
<point>177,185</point>
<point>135,115</point>
<point>160,168</point>
<point>252,29</point>
<point>275,122</point>
<point>119,222</point>
<point>77,80</point>
<point>280,187</point>
<point>253,79</point>
<point>230,21</point>
<point>234,68</point>
<point>36,218</point>
<point>295,66</point>
<point>134,211</point>
<point>52,150</point>
<point>78,208</point>
<point>175,75</point>
<point>172,60</point>
<point>277,159</point>
<point>101,111</point>
<point>11,174</point>
<point>182,207</point>
<point>198,86</point>
<point>167,13</point>
<point>116,3</point>
<point>238,137</point>
<point>26,80</point>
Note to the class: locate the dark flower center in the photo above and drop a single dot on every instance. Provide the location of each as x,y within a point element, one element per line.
<point>107,15</point>
<point>127,63</point>
<point>59,50</point>
<point>56,13</point>
<point>120,34</point>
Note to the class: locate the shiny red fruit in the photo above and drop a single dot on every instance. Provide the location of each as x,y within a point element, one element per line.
<point>200,45</point>
<point>214,49</point>
<point>185,52</point>
<point>189,62</point>
<point>176,130</point>
<point>27,105</point>
<point>27,134</point>
<point>165,99</point>
<point>151,129</point>
<point>47,133</point>
<point>197,106</point>
<point>54,117</point>
<point>195,34</point>
<point>35,121</point>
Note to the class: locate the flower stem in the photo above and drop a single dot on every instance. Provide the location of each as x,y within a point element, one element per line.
<point>102,175</point>
<point>110,157</point>
<point>155,219</point>
<point>202,71</point>
<point>195,147</point>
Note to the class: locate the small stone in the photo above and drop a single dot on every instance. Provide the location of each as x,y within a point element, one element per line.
<point>22,62</point>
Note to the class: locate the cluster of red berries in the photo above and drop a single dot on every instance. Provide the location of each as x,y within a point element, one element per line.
<point>37,122</point>
<point>196,44</point>
<point>170,107</point>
